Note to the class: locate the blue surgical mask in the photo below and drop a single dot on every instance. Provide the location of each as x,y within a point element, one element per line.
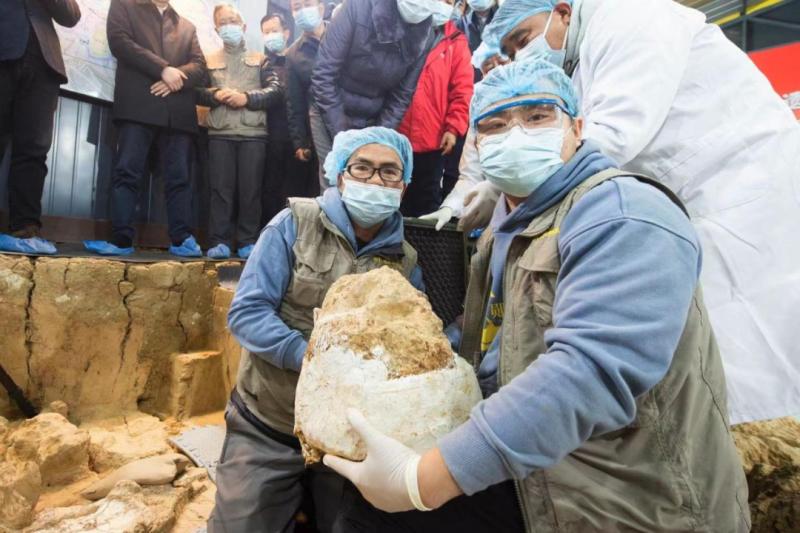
<point>519,161</point>
<point>308,18</point>
<point>368,204</point>
<point>539,47</point>
<point>231,34</point>
<point>480,5</point>
<point>274,42</point>
<point>415,11</point>
<point>441,14</point>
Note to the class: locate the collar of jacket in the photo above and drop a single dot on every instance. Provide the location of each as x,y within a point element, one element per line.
<point>169,11</point>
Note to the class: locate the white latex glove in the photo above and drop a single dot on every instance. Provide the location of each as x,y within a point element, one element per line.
<point>478,206</point>
<point>387,478</point>
<point>441,216</point>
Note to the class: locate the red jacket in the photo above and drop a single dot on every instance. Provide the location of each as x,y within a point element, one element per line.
<point>441,100</point>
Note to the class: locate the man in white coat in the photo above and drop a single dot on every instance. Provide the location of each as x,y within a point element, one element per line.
<point>667,94</point>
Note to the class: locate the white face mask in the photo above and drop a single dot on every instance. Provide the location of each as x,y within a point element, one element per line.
<point>539,47</point>
<point>415,11</point>
<point>518,161</point>
<point>368,204</point>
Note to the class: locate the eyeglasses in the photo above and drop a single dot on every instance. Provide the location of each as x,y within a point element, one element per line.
<point>529,114</point>
<point>364,172</point>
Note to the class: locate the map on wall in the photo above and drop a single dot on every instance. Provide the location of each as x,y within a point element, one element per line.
<point>90,65</point>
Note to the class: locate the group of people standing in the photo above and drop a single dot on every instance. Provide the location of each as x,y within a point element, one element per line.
<point>272,112</point>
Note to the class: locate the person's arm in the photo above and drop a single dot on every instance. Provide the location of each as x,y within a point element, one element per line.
<point>630,264</point>
<point>416,279</point>
<point>253,317</point>
<point>460,88</point>
<point>195,69</point>
<point>297,111</point>
<point>397,101</point>
<point>334,51</point>
<point>65,13</point>
<point>125,49</point>
<point>271,92</point>
<point>469,175</point>
<point>635,64</point>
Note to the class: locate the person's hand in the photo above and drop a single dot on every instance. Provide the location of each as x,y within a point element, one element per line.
<point>161,89</point>
<point>236,100</point>
<point>441,216</point>
<point>448,143</point>
<point>173,77</point>
<point>388,476</point>
<point>221,95</point>
<point>303,154</point>
<point>478,206</point>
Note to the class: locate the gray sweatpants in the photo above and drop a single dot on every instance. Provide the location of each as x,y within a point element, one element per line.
<point>260,483</point>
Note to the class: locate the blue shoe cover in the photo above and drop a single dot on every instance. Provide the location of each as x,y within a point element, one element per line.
<point>245,252</point>
<point>220,251</point>
<point>106,248</point>
<point>33,245</point>
<point>188,248</point>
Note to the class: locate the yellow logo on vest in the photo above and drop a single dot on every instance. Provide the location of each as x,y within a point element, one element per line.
<point>494,319</point>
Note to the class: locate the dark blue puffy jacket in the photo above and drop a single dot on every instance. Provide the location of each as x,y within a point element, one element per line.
<point>368,65</point>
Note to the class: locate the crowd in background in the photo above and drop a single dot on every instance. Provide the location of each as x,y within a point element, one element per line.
<point>272,113</point>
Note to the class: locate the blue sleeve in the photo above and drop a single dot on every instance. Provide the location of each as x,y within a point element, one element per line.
<point>630,264</point>
<point>253,317</point>
<point>416,279</point>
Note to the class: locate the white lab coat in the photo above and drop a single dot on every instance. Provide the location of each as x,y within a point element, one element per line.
<point>665,94</point>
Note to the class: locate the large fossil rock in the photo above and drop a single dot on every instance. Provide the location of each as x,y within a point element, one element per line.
<point>60,449</point>
<point>377,346</point>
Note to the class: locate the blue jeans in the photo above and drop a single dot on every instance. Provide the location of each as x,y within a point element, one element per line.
<point>174,153</point>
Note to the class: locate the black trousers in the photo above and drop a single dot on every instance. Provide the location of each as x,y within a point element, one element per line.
<point>28,99</point>
<point>285,177</point>
<point>235,173</point>
<point>262,482</point>
<point>424,193</point>
<point>132,165</point>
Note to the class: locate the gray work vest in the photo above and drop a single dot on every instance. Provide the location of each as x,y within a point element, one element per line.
<point>322,255</point>
<point>675,467</point>
<point>240,70</point>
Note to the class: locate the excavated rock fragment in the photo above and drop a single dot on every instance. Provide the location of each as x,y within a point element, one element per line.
<point>377,346</point>
<point>59,448</point>
<point>20,487</point>
<point>129,508</point>
<point>770,452</point>
<point>157,470</point>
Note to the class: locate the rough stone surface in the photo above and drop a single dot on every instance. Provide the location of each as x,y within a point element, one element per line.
<point>129,508</point>
<point>117,441</point>
<point>225,343</point>
<point>377,346</point>
<point>100,335</point>
<point>158,470</point>
<point>197,384</point>
<point>770,454</point>
<point>20,486</point>
<point>16,283</point>
<point>60,449</point>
